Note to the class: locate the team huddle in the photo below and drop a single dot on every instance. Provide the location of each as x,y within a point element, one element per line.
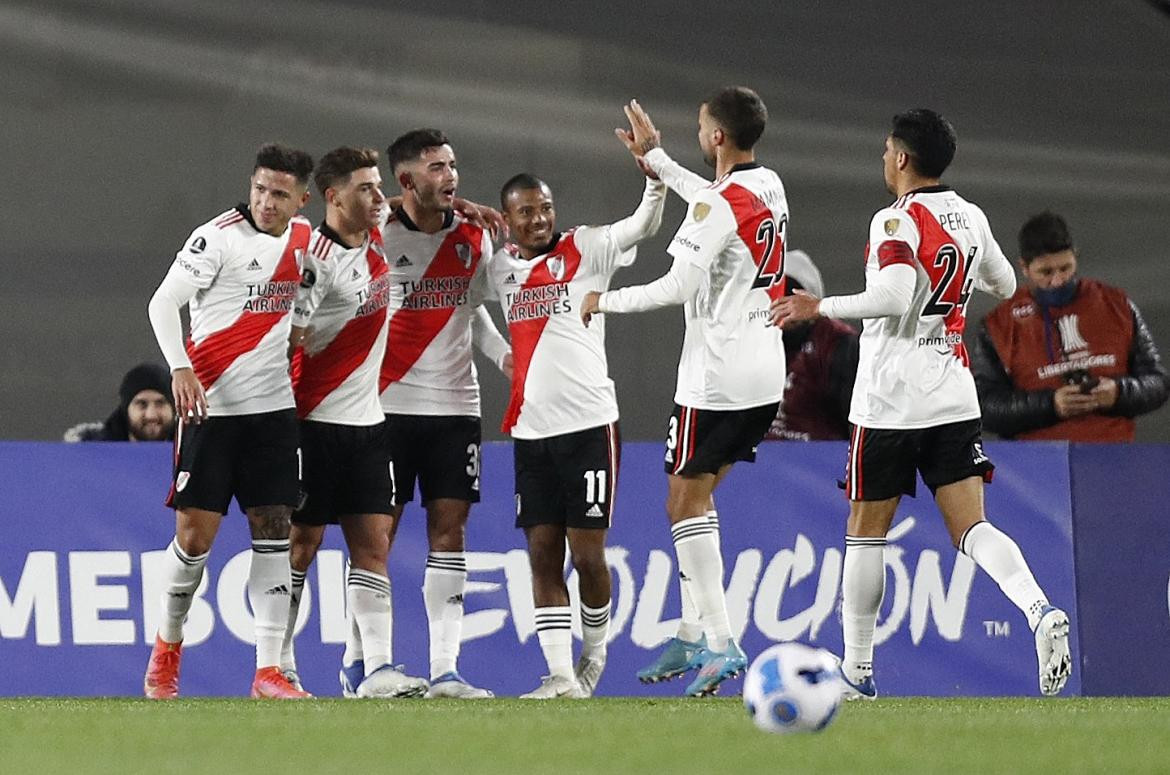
<point>328,374</point>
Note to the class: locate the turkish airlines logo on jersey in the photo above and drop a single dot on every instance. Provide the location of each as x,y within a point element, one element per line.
<point>1070,334</point>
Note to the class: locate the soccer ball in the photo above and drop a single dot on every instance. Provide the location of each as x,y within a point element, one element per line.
<point>792,687</point>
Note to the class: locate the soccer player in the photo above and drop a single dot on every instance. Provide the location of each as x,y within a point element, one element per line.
<point>915,409</point>
<point>238,273</point>
<point>563,413</point>
<point>728,263</point>
<point>339,332</point>
<point>429,389</point>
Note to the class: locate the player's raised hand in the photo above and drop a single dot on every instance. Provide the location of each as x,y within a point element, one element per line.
<point>802,305</point>
<point>590,306</point>
<point>190,400</point>
<point>641,137</point>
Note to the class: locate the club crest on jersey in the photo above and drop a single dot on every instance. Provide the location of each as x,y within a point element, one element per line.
<point>556,267</point>
<point>891,226</point>
<point>181,480</point>
<point>198,245</point>
<point>403,261</point>
<point>702,210</point>
<point>463,250</point>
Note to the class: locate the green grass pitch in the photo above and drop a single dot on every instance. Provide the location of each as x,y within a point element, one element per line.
<point>42,736</point>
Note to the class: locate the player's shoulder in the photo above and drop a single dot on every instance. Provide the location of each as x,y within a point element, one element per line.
<point>323,244</point>
<point>215,233</point>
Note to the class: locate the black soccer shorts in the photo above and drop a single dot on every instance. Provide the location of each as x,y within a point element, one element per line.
<point>702,441</point>
<point>569,479</point>
<point>254,457</point>
<point>883,463</point>
<point>440,452</point>
<point>345,471</point>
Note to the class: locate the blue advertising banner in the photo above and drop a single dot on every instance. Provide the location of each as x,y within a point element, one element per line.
<point>85,528</point>
<point>1120,496</point>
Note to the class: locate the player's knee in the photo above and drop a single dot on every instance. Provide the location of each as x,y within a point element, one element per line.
<point>193,543</point>
<point>591,566</point>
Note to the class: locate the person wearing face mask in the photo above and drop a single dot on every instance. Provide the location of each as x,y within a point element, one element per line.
<point>1067,357</point>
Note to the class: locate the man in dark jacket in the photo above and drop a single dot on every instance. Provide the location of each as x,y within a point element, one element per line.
<point>145,411</point>
<point>1066,358</point>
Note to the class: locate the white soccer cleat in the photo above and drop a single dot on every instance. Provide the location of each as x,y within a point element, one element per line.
<point>553,686</point>
<point>589,670</point>
<point>1052,652</point>
<point>389,682</point>
<point>454,686</point>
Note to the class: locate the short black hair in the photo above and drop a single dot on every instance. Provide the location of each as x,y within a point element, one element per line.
<point>336,166</point>
<point>411,146</point>
<point>1043,234</point>
<point>281,158</point>
<point>741,113</point>
<point>928,137</point>
<point>522,182</point>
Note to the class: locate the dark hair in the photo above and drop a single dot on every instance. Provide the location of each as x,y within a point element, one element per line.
<point>336,166</point>
<point>521,182</point>
<point>281,158</point>
<point>411,145</point>
<point>929,139</point>
<point>1043,234</point>
<point>741,113</point>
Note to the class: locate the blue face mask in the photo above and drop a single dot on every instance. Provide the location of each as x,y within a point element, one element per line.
<point>1056,297</point>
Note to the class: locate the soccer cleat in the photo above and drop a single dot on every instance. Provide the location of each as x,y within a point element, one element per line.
<point>270,684</point>
<point>162,671</point>
<point>715,667</point>
<point>389,682</point>
<point>1052,652</point>
<point>588,673</point>
<point>553,686</point>
<point>351,677</point>
<point>865,689</point>
<point>293,678</point>
<point>456,687</point>
<point>677,658</point>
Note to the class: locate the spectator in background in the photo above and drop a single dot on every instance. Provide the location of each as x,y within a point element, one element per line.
<point>1066,357</point>
<point>822,364</point>
<point>145,411</point>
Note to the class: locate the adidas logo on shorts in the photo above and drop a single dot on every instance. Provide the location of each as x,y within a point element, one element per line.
<point>594,511</point>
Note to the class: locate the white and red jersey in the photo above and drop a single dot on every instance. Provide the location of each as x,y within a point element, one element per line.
<point>242,312</point>
<point>560,381</point>
<point>913,369</point>
<point>436,281</point>
<point>734,231</point>
<point>342,299</point>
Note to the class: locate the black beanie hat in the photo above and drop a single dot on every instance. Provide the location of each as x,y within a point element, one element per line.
<point>145,376</point>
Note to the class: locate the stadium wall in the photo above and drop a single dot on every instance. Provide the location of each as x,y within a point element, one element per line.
<point>85,529</point>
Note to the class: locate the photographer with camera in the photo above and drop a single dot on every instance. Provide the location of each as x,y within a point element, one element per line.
<point>1065,358</point>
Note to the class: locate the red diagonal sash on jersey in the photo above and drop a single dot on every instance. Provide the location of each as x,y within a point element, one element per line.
<point>526,333</point>
<point>316,376</point>
<point>413,330</point>
<point>933,238</point>
<point>756,225</point>
<point>215,354</point>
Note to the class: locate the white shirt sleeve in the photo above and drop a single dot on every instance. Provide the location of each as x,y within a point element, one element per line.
<point>891,271</point>
<point>677,178</point>
<point>675,287</point>
<point>645,220</point>
<point>996,274</point>
<point>175,292</point>
<point>478,289</point>
<point>316,280</point>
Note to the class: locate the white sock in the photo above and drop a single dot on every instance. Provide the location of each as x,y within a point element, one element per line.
<point>368,595</point>
<point>993,551</point>
<point>554,630</point>
<point>863,584</point>
<point>353,636</point>
<point>697,547</point>
<point>269,589</point>
<point>182,573</point>
<point>594,630</point>
<point>444,580</point>
<point>690,628</point>
<point>288,656</point>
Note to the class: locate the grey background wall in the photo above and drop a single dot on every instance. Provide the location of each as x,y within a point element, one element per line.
<point>123,124</point>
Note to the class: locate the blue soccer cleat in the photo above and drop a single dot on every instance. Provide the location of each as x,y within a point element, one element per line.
<point>865,689</point>
<point>351,677</point>
<point>677,658</point>
<point>715,667</point>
